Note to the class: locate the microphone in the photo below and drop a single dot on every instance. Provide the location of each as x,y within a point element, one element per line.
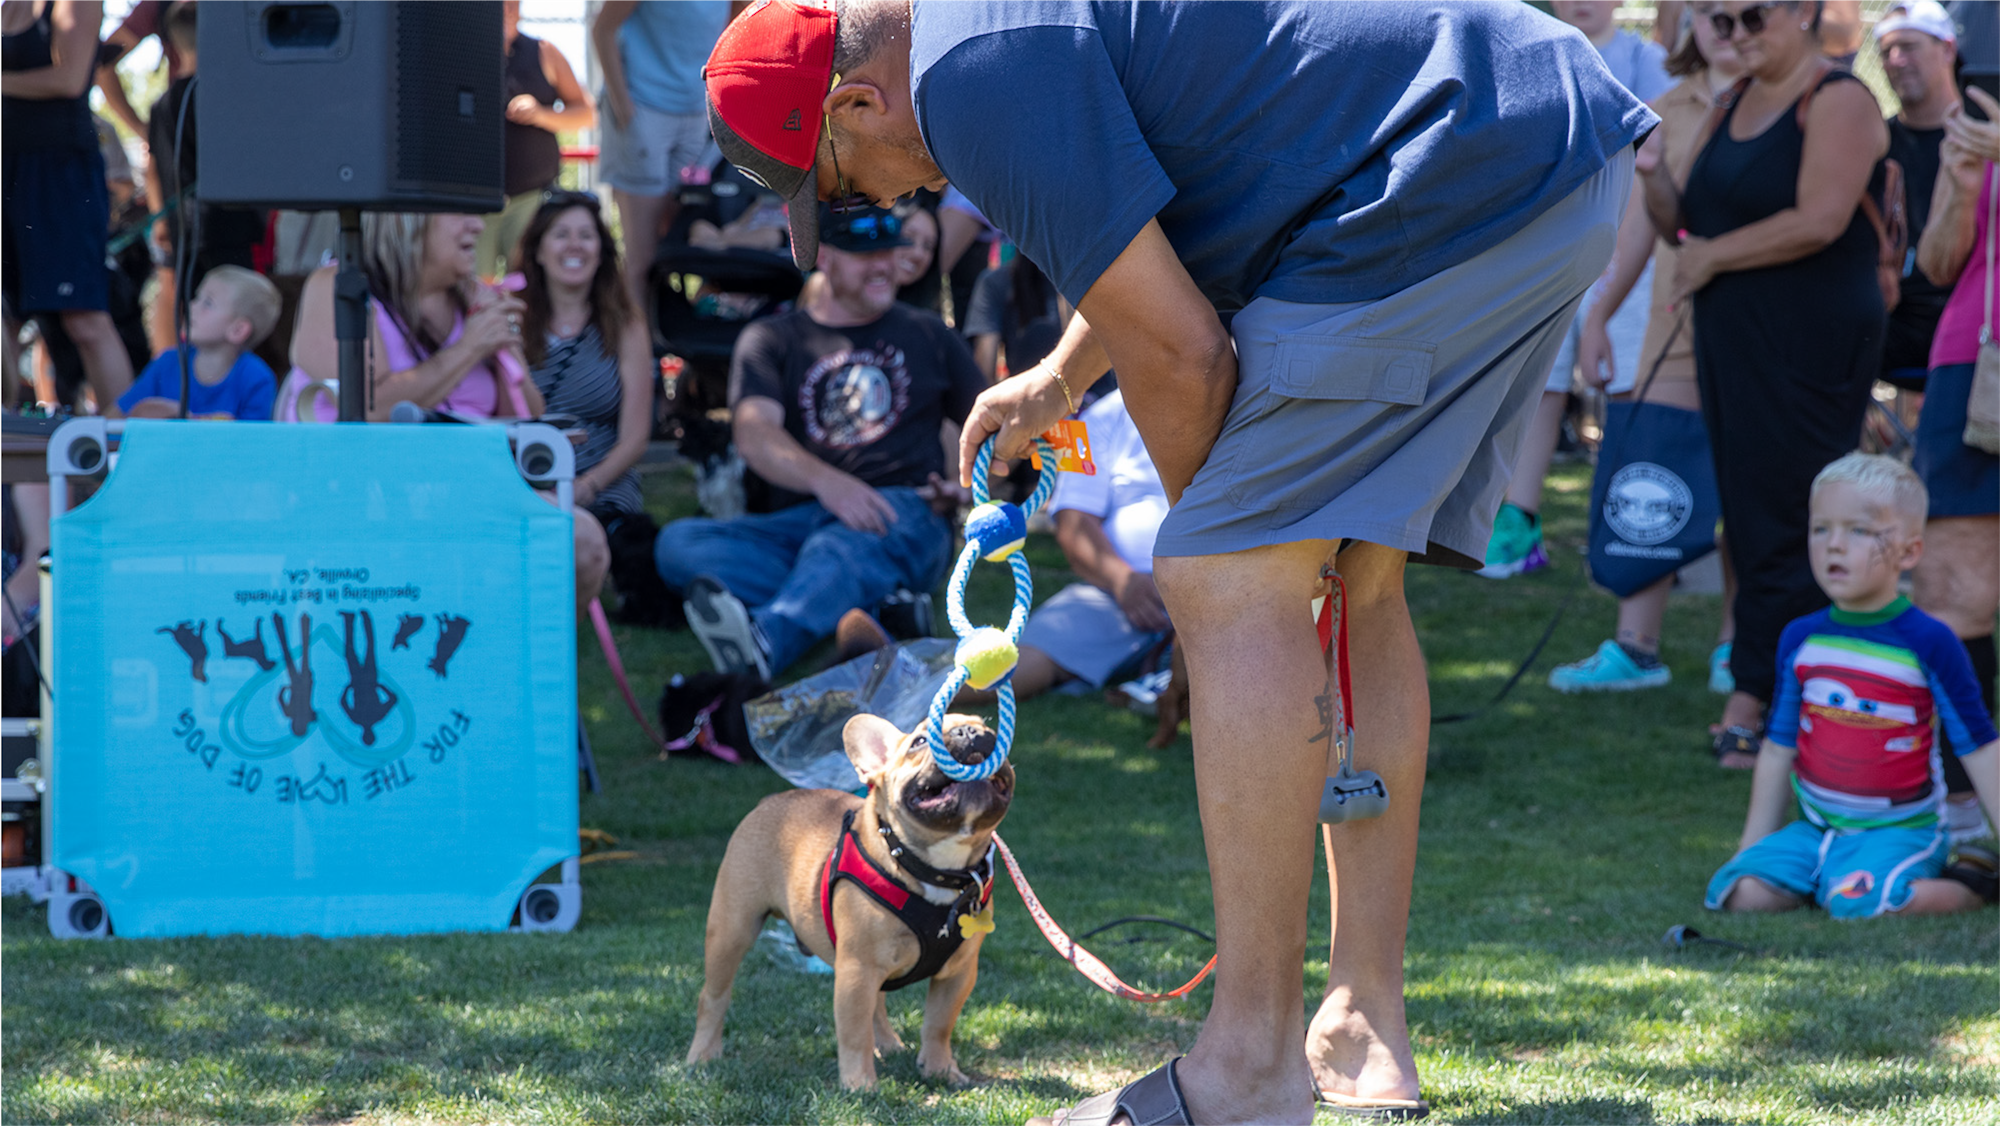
<point>407,411</point>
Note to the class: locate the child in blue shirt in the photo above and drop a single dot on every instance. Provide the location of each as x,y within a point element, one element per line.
<point>1851,735</point>
<point>232,312</point>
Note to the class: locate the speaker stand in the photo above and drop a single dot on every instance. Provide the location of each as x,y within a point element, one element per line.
<point>350,318</point>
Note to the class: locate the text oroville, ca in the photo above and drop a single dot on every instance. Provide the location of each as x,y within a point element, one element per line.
<point>321,586</point>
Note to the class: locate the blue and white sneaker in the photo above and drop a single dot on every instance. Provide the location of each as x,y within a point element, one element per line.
<point>1610,669</point>
<point>1721,680</point>
<point>722,624</point>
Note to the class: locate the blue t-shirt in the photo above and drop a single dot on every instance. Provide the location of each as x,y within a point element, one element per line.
<point>664,47</point>
<point>245,393</point>
<point>1858,694</point>
<point>1314,153</point>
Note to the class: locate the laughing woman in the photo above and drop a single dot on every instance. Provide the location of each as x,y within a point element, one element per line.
<point>587,348</point>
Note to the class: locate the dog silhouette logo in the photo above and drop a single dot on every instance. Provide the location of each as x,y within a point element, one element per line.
<point>1647,504</point>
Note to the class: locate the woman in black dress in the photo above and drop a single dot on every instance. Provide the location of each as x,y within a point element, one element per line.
<point>1780,262</point>
<point>543,99</point>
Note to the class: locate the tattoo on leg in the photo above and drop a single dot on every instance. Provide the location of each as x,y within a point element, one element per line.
<point>1324,702</point>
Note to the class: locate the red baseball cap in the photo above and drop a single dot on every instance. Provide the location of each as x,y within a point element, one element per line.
<point>767,79</point>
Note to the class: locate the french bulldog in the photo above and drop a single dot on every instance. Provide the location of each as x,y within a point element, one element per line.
<point>891,888</point>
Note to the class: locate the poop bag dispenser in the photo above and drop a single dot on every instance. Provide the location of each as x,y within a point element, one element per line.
<point>1349,794</point>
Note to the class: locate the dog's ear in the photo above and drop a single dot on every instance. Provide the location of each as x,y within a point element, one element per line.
<point>871,743</point>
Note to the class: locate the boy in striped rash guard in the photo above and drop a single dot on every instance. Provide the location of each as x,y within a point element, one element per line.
<point>1860,686</point>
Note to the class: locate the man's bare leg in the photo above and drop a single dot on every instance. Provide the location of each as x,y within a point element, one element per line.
<point>1359,1042</point>
<point>1254,670</point>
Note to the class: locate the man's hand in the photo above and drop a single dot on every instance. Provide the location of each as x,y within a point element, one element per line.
<point>945,496</point>
<point>1140,599</point>
<point>523,109</point>
<point>1017,410</point>
<point>854,503</point>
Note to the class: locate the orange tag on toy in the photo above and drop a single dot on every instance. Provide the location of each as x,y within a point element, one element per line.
<point>1071,439</point>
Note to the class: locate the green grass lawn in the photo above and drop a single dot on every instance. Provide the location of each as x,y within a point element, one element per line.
<point>1561,837</point>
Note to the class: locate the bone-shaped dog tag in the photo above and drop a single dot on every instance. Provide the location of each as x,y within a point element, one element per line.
<point>976,922</point>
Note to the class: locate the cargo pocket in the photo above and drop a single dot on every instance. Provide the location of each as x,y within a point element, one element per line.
<point>1335,406</point>
<point>1377,369</point>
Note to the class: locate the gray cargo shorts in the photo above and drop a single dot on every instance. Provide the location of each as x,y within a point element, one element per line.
<point>1396,421</point>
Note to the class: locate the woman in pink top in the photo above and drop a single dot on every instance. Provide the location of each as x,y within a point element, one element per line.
<point>436,334</point>
<point>436,337</point>
<point>1956,581</point>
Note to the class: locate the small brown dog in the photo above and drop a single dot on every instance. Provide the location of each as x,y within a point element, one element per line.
<point>891,889</point>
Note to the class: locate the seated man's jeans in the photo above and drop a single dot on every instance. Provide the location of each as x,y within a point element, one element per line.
<point>799,569</point>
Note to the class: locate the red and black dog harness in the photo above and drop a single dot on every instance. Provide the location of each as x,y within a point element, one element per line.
<point>934,924</point>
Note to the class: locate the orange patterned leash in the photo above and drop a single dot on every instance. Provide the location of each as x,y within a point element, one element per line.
<point>1085,962</point>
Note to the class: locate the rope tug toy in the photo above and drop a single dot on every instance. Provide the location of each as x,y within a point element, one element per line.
<point>986,656</point>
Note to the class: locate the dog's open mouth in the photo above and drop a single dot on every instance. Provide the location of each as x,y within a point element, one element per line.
<point>935,796</point>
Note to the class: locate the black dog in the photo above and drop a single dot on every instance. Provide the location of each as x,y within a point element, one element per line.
<point>643,598</point>
<point>722,696</point>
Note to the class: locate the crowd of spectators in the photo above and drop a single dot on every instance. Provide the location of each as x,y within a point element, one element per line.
<point>1751,284</point>
<point>1797,250</point>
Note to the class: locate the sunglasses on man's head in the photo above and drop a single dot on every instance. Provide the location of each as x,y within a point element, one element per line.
<point>873,227</point>
<point>1752,19</point>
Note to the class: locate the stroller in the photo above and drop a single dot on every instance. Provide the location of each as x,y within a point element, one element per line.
<point>700,301</point>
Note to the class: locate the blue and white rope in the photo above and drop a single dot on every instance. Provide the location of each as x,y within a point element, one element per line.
<point>1024,596</point>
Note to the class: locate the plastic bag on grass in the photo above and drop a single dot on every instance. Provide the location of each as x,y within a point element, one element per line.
<point>797,728</point>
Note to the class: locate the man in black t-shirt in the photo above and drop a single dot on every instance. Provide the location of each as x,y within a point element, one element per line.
<point>844,405</point>
<point>1919,48</point>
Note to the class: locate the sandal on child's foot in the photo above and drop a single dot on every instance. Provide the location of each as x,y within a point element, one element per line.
<point>1735,747</point>
<point>1977,868</point>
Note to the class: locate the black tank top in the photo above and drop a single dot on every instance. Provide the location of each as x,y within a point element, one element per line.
<point>1735,183</point>
<point>533,156</point>
<point>41,124</point>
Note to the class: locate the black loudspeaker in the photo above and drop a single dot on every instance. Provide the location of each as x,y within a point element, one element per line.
<point>377,106</point>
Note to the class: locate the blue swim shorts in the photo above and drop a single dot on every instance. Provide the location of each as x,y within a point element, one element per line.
<point>1854,874</point>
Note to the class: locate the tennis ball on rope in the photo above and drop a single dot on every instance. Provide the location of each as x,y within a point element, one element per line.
<point>987,655</point>
<point>998,528</point>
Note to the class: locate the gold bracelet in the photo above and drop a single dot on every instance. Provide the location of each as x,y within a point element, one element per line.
<point>1064,384</point>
